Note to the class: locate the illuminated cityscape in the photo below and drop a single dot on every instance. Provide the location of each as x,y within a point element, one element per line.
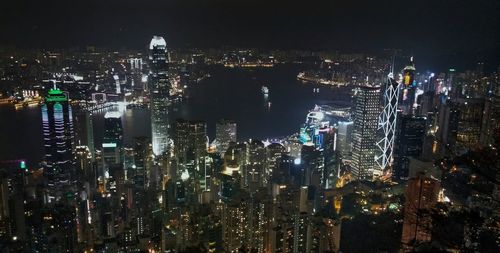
<point>250,126</point>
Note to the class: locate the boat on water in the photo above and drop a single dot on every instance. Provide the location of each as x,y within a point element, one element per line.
<point>265,90</point>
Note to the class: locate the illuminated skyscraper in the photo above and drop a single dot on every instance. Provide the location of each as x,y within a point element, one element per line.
<point>191,145</point>
<point>408,88</point>
<point>366,113</point>
<point>470,121</point>
<point>274,152</point>
<point>344,139</point>
<point>461,121</point>
<point>90,134</point>
<point>225,132</point>
<point>112,139</point>
<point>255,175</point>
<point>313,164</point>
<point>387,126</point>
<point>57,123</point>
<point>159,94</point>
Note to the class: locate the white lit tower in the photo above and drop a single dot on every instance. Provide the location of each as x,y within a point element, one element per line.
<point>387,125</point>
<point>364,136</point>
<point>159,94</point>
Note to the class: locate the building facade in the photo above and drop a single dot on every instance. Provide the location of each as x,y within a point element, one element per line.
<point>57,123</point>
<point>366,113</point>
<point>159,91</point>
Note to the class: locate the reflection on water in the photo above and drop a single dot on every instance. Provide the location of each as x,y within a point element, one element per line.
<point>229,93</point>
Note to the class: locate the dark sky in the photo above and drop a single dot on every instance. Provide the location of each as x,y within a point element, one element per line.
<point>464,27</point>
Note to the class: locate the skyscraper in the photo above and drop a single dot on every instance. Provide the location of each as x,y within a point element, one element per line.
<point>57,123</point>
<point>421,195</point>
<point>366,112</point>
<point>112,139</point>
<point>159,94</point>
<point>462,120</point>
<point>225,132</point>
<point>344,139</point>
<point>410,136</point>
<point>90,134</point>
<point>254,175</point>
<point>191,144</point>
<point>408,88</point>
<point>387,125</point>
<point>273,154</point>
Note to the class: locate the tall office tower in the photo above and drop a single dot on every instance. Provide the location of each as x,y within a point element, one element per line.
<point>12,202</point>
<point>191,145</point>
<point>90,134</point>
<point>330,155</point>
<point>274,152</point>
<point>471,113</point>
<point>451,87</point>
<point>421,196</point>
<point>491,120</point>
<point>410,136</point>
<point>387,126</point>
<point>344,139</point>
<point>447,122</point>
<point>135,64</point>
<point>408,88</point>
<point>84,161</point>
<point>112,140</point>
<point>366,112</point>
<point>313,165</point>
<point>426,104</point>
<point>461,121</point>
<point>255,175</point>
<point>225,132</point>
<point>141,152</point>
<point>57,122</point>
<point>159,94</point>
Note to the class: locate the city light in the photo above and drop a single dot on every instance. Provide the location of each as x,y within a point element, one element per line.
<point>249,126</point>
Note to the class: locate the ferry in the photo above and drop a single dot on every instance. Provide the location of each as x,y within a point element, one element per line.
<point>265,90</point>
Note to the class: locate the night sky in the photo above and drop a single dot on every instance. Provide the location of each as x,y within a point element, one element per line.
<point>463,28</point>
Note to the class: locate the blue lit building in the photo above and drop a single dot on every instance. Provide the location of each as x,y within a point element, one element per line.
<point>319,125</point>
